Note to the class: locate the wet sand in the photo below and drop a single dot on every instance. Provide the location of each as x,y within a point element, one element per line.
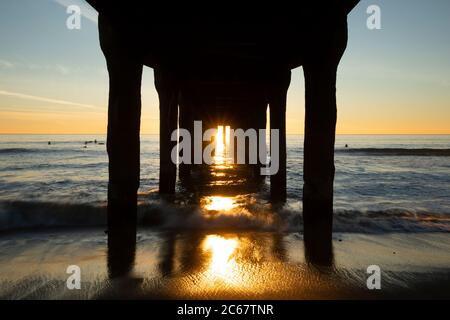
<point>221,265</point>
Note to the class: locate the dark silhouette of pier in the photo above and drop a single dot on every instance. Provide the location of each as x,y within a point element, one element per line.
<point>223,64</point>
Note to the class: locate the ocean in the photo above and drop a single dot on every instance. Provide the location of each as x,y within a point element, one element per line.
<point>383,183</point>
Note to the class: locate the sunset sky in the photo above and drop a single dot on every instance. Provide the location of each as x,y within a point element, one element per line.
<point>393,80</point>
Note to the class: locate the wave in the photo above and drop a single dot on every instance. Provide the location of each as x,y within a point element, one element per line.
<point>163,216</point>
<point>396,152</point>
<point>18,150</point>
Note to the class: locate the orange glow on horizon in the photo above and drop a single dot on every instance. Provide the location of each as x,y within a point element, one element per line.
<point>32,122</point>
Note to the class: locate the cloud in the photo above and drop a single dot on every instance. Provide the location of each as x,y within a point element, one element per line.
<point>58,68</point>
<point>86,10</point>
<point>62,69</point>
<point>6,64</point>
<point>44,99</point>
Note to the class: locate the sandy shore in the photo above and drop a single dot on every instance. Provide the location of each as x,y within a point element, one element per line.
<point>248,265</point>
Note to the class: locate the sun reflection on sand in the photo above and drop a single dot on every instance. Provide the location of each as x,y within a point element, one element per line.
<point>232,263</point>
<point>222,263</point>
<point>226,265</point>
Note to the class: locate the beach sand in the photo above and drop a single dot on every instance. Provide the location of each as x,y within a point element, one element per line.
<point>216,265</point>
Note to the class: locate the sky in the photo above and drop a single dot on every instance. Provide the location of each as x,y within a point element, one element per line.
<point>395,80</point>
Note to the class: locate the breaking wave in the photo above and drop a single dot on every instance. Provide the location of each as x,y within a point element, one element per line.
<point>163,216</point>
<point>396,152</point>
<point>18,150</point>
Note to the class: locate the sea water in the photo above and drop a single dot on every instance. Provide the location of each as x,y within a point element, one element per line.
<point>383,183</point>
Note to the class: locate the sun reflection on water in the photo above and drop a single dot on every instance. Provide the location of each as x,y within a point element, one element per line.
<point>219,203</point>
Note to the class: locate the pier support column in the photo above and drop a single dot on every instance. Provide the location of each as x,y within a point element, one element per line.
<point>123,146</point>
<point>277,108</point>
<point>320,69</point>
<point>167,88</point>
<point>318,163</point>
